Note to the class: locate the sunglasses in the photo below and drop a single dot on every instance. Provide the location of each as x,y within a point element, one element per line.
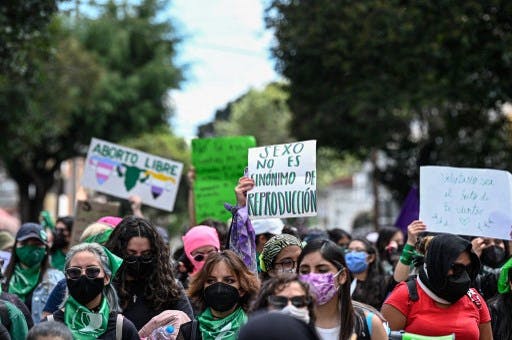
<point>201,257</point>
<point>91,272</point>
<point>143,259</point>
<point>459,268</point>
<point>280,302</point>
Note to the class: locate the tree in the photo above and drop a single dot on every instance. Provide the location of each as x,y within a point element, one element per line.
<point>263,114</point>
<point>108,78</point>
<point>423,82</point>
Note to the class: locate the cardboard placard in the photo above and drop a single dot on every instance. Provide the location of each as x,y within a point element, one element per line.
<point>88,212</point>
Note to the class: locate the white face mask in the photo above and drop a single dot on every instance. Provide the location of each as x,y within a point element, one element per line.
<point>299,313</point>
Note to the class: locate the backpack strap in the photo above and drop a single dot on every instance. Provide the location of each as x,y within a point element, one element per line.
<point>50,317</point>
<point>473,296</point>
<point>119,327</point>
<point>193,331</point>
<point>413,290</point>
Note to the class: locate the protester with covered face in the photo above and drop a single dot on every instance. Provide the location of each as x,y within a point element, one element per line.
<point>221,292</point>
<point>279,255</point>
<point>441,294</point>
<point>493,254</point>
<point>28,274</point>
<point>91,310</point>
<point>61,241</point>
<point>145,282</point>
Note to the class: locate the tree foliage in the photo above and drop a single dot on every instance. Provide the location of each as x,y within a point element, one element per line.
<point>263,114</point>
<point>106,77</point>
<point>422,81</point>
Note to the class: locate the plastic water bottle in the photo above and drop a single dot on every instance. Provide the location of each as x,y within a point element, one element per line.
<point>162,333</point>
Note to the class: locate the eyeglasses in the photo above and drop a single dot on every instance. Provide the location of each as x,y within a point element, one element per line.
<point>459,268</point>
<point>280,302</point>
<point>74,273</point>
<point>143,259</point>
<point>285,265</point>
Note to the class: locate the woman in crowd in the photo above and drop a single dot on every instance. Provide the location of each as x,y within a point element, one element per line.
<point>340,237</point>
<point>286,293</point>
<point>493,253</point>
<point>389,247</point>
<point>369,284</point>
<point>28,274</point>
<point>145,283</point>
<point>441,294</point>
<point>501,306</point>
<point>279,255</point>
<point>198,243</point>
<point>61,241</point>
<point>91,310</point>
<point>322,265</point>
<point>221,291</point>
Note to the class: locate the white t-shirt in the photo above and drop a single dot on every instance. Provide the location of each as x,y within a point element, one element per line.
<point>329,333</point>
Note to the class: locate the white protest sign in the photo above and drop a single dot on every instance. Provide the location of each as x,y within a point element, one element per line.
<point>285,180</point>
<point>122,172</point>
<point>466,201</point>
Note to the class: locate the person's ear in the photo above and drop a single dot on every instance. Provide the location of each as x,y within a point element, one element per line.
<point>342,277</point>
<point>106,280</point>
<point>370,258</point>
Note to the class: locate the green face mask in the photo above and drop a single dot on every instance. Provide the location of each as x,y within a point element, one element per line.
<point>31,255</point>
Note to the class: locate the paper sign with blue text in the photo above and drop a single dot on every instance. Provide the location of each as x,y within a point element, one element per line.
<point>466,201</point>
<point>285,180</point>
<point>122,172</point>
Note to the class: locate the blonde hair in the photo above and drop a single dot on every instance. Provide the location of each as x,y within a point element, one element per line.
<point>94,229</point>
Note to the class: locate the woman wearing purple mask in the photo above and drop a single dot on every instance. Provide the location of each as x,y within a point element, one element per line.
<point>322,265</point>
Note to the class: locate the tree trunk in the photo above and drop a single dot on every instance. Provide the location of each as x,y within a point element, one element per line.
<point>375,187</point>
<point>31,204</point>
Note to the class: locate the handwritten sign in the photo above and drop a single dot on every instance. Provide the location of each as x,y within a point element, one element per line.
<point>219,163</point>
<point>466,201</point>
<point>285,179</point>
<point>122,172</point>
<point>88,212</point>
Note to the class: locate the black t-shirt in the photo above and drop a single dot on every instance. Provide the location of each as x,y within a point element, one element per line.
<point>129,330</point>
<point>140,312</point>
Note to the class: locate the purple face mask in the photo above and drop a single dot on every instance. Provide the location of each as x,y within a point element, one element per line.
<point>321,285</point>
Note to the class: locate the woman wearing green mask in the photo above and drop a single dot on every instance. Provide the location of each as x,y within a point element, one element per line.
<point>28,274</point>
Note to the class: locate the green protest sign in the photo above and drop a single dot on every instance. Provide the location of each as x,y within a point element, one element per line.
<point>219,163</point>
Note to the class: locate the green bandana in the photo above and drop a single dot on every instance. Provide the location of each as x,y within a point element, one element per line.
<point>101,238</point>
<point>30,255</point>
<point>24,280</point>
<point>83,323</point>
<point>58,259</point>
<point>503,281</point>
<point>114,261</point>
<point>225,329</point>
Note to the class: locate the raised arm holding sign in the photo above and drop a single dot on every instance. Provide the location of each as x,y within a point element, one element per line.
<point>466,201</point>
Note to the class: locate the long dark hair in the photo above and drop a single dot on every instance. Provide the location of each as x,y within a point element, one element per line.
<point>160,285</point>
<point>15,260</point>
<point>500,308</point>
<point>385,236</point>
<point>333,253</point>
<point>249,282</point>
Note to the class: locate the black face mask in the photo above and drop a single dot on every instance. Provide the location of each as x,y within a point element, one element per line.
<point>456,287</point>
<point>493,256</point>
<point>221,297</point>
<point>139,267</point>
<point>59,241</point>
<point>84,290</point>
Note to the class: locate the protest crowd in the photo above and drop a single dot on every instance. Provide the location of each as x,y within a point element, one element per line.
<point>250,278</point>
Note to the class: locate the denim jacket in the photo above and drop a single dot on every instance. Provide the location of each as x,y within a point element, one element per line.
<point>42,291</point>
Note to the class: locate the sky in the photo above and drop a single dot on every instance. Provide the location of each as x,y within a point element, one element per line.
<point>226,49</point>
